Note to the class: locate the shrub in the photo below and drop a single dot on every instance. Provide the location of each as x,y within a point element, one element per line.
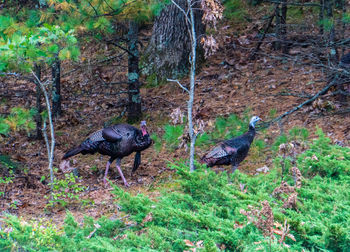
<point>324,159</point>
<point>65,191</point>
<point>204,210</point>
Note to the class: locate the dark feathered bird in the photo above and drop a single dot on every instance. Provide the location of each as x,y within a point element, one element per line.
<point>232,151</point>
<point>116,141</point>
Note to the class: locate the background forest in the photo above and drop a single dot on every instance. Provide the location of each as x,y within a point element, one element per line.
<point>196,72</point>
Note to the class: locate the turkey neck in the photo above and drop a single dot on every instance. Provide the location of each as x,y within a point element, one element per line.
<point>251,133</point>
<point>142,142</point>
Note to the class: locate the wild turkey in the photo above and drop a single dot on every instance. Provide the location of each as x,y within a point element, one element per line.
<point>116,141</point>
<point>232,151</point>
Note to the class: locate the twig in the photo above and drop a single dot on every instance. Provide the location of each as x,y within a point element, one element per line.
<point>252,56</point>
<point>183,11</point>
<point>177,81</point>
<point>97,226</point>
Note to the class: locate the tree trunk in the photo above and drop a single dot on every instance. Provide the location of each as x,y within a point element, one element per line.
<point>277,44</point>
<point>170,44</point>
<point>321,16</point>
<point>134,106</point>
<point>56,88</point>
<point>38,119</point>
<point>333,56</point>
<point>284,9</point>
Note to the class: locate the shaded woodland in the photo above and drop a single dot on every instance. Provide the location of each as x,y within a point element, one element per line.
<point>238,135</point>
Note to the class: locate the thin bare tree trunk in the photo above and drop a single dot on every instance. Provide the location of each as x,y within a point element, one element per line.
<point>50,146</point>
<point>190,19</point>
<point>38,119</point>
<point>192,84</point>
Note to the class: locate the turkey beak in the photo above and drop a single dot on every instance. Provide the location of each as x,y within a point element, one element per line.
<point>144,128</point>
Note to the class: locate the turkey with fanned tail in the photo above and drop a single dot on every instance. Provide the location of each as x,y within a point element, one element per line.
<point>232,151</point>
<point>116,141</point>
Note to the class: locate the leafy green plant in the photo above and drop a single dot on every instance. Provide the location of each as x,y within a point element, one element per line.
<point>324,159</point>
<point>272,113</point>
<point>299,133</point>
<point>234,9</point>
<point>279,140</point>
<point>65,191</point>
<point>19,119</point>
<point>4,181</point>
<point>172,134</point>
<point>157,142</point>
<point>203,139</point>
<point>94,168</point>
<point>4,127</point>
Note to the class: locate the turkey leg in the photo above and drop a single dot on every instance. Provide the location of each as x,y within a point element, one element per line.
<point>117,164</point>
<point>234,167</point>
<point>106,172</point>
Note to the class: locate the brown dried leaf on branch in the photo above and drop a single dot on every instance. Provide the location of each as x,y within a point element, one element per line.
<point>210,45</point>
<point>148,218</point>
<point>297,177</point>
<point>262,219</point>
<point>283,188</point>
<point>177,116</point>
<point>283,231</point>
<point>291,201</point>
<point>212,12</point>
<point>198,245</point>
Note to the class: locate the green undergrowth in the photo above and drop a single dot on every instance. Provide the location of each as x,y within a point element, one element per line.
<point>205,210</point>
<point>223,128</point>
<point>18,119</point>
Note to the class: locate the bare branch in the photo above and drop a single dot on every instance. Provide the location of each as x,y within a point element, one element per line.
<point>177,81</point>
<point>184,12</point>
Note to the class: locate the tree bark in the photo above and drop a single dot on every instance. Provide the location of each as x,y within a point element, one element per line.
<point>38,119</point>
<point>284,9</point>
<point>170,44</point>
<point>321,16</point>
<point>56,88</point>
<point>134,104</point>
<point>277,44</point>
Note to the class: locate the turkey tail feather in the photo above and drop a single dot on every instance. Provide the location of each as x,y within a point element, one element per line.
<point>73,152</point>
<point>137,161</point>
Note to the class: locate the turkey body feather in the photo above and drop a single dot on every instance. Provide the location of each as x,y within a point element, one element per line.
<point>116,141</point>
<point>232,151</point>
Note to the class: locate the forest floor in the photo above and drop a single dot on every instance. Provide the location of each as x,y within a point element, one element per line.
<point>228,83</point>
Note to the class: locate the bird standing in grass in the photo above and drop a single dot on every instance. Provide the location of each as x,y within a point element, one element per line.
<point>116,141</point>
<point>232,151</point>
